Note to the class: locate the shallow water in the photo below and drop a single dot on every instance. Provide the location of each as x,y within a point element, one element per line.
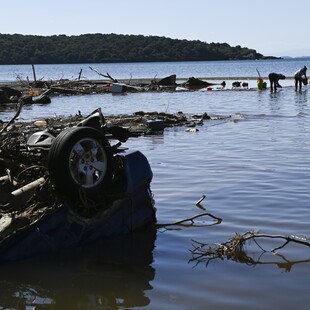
<point>154,70</point>
<point>254,170</point>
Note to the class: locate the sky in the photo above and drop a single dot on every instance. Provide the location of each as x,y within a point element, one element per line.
<point>271,27</point>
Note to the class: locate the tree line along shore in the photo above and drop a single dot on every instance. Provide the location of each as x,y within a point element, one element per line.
<point>114,48</point>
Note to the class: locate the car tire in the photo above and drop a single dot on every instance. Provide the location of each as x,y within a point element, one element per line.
<point>80,158</point>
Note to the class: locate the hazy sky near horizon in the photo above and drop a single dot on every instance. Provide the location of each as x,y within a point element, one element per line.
<point>278,28</point>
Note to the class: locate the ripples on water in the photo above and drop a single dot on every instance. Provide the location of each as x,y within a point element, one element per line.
<point>253,169</point>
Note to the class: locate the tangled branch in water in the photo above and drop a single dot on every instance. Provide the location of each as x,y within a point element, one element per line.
<point>233,249</point>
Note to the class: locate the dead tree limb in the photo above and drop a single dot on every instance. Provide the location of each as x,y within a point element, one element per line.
<point>80,73</point>
<point>34,74</point>
<point>190,219</point>
<point>234,248</point>
<point>198,203</point>
<point>288,239</point>
<point>19,109</point>
<point>108,76</point>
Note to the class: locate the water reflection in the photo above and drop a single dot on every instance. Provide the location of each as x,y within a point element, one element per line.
<point>301,99</point>
<point>282,263</point>
<point>275,100</point>
<point>110,275</point>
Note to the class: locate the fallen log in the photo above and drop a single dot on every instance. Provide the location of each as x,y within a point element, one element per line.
<point>62,90</point>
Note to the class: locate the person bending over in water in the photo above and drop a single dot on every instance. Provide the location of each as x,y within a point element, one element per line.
<point>274,80</point>
<point>300,77</point>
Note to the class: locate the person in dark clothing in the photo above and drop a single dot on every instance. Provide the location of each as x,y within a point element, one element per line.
<point>274,80</point>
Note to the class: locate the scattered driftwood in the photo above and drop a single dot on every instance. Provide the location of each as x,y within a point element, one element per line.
<point>23,164</point>
<point>39,90</point>
<point>26,190</point>
<point>233,249</point>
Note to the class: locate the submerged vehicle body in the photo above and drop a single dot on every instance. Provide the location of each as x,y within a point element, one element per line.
<point>92,191</point>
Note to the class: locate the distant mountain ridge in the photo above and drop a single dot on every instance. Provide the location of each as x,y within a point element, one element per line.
<point>114,48</point>
<point>295,57</point>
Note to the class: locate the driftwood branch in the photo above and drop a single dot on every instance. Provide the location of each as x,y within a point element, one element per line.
<point>191,219</point>
<point>108,76</point>
<point>19,109</point>
<point>234,249</point>
<point>198,203</point>
<point>80,74</point>
<point>288,239</point>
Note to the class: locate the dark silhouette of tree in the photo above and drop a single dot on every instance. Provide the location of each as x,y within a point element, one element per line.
<point>107,48</point>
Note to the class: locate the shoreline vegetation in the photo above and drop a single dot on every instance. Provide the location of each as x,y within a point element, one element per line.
<point>115,48</point>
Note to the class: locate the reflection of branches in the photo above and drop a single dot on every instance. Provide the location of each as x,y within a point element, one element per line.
<point>233,249</point>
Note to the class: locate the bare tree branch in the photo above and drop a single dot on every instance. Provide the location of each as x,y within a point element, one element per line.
<point>108,76</point>
<point>234,249</point>
<point>19,109</point>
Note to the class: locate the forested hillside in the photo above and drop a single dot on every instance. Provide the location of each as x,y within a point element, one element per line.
<point>107,48</point>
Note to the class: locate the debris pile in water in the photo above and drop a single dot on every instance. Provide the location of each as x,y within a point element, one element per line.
<point>21,164</point>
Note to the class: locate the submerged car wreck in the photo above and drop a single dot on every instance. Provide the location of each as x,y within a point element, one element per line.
<point>63,190</point>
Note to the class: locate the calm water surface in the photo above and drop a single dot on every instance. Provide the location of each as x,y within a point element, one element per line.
<point>254,170</point>
<point>151,70</point>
